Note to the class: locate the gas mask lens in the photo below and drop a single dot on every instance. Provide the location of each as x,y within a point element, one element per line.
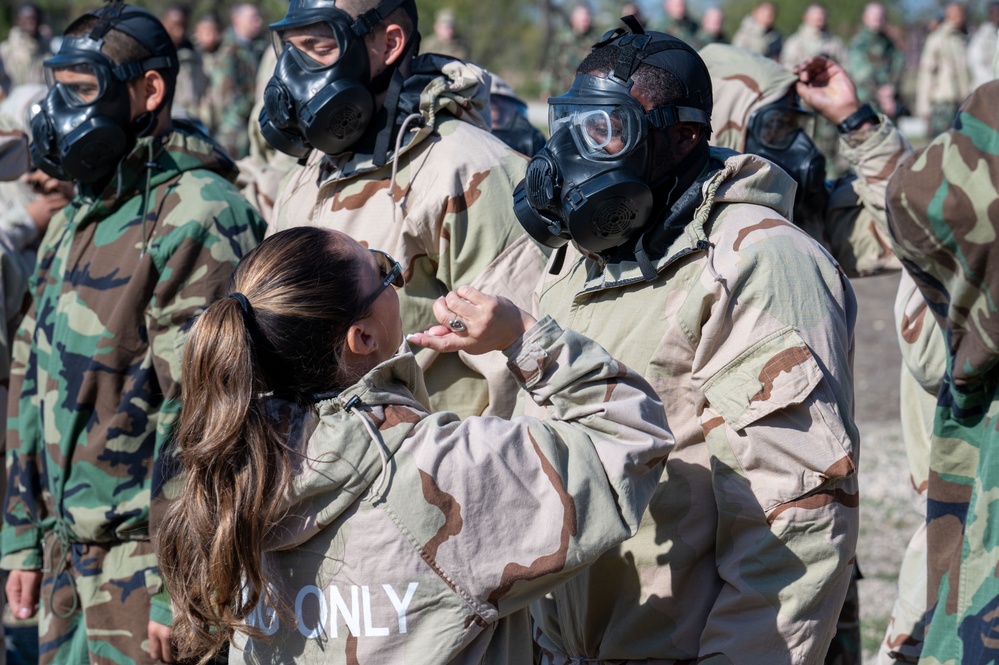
<point>316,44</point>
<point>601,132</point>
<point>80,84</point>
<point>775,127</point>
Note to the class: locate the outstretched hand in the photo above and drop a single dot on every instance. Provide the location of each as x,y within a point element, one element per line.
<point>491,323</point>
<point>826,87</point>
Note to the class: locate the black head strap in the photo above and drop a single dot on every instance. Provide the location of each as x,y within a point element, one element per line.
<point>108,16</point>
<point>372,18</point>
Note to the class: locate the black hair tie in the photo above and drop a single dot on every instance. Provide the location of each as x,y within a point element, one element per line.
<point>244,304</point>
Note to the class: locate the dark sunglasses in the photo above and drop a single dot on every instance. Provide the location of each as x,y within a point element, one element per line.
<point>391,273</point>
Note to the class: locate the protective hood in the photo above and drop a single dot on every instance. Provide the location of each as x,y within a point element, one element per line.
<point>439,88</point>
<point>342,459</point>
<point>742,82</point>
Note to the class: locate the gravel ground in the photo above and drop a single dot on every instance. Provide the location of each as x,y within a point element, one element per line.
<point>887,516</point>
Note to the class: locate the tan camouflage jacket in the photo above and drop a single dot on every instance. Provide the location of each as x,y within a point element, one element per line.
<point>746,551</point>
<point>404,541</point>
<point>448,220</point>
<point>851,225</point>
<point>943,70</point>
<point>751,36</point>
<point>22,56</point>
<point>807,42</point>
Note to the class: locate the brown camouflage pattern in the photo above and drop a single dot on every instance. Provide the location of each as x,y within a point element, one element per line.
<point>747,548</point>
<point>416,559</point>
<point>447,218</point>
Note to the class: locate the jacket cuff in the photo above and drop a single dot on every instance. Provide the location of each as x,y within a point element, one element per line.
<point>854,144</point>
<point>159,608</point>
<point>29,559</point>
<point>528,355</point>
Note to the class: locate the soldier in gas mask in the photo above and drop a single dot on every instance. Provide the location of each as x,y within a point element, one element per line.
<point>395,151</point>
<point>149,241</point>
<point>766,109</point>
<point>682,259</point>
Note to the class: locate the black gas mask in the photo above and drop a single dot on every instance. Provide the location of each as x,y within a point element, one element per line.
<point>83,128</point>
<point>511,126</point>
<point>592,181</point>
<point>309,104</point>
<point>781,132</point>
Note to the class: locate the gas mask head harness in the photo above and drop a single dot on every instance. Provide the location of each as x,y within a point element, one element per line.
<point>781,132</point>
<point>327,106</point>
<point>83,128</point>
<point>592,182</point>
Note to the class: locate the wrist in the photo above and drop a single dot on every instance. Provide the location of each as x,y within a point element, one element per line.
<point>863,116</point>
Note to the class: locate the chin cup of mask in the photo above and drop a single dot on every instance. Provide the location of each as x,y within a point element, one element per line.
<point>599,213</point>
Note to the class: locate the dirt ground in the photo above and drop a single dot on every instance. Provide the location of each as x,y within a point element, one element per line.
<point>887,516</point>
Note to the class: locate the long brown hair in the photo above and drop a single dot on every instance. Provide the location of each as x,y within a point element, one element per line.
<point>286,338</point>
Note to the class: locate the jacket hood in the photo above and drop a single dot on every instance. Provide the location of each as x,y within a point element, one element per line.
<point>729,177</point>
<point>184,148</point>
<point>437,88</point>
<point>346,444</point>
<point>742,82</point>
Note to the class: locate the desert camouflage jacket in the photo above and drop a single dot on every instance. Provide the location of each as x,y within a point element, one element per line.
<point>943,69</point>
<point>753,37</point>
<point>944,230</point>
<point>807,42</point>
<point>22,56</point>
<point>746,550</point>
<point>96,372</point>
<point>447,218</point>
<point>850,225</point>
<point>404,540</point>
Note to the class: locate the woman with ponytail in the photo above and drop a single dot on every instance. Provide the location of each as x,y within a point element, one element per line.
<point>324,516</point>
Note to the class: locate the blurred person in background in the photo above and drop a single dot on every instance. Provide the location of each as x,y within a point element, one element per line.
<point>192,82</point>
<point>678,21</point>
<point>982,48</point>
<point>25,48</point>
<point>710,31</point>
<point>875,63</point>
<point>445,39</point>
<point>943,79</point>
<point>570,44</point>
<point>242,47</point>
<point>757,33</point>
<point>208,40</point>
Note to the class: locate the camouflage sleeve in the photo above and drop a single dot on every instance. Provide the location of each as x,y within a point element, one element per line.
<point>482,244</point>
<point>778,424</point>
<point>194,259</point>
<point>578,480</point>
<point>919,337</point>
<point>856,214</point>
<point>237,95</point>
<point>943,227</point>
<point>23,505</point>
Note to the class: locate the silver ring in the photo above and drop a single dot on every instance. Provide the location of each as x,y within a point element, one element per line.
<point>456,324</point>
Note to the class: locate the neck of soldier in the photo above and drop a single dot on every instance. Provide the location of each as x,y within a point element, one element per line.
<point>667,190</point>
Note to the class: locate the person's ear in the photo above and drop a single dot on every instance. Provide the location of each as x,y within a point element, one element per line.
<point>684,136</point>
<point>394,43</point>
<point>360,341</point>
<point>154,89</point>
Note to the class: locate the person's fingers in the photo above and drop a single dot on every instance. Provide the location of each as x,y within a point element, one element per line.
<point>444,343</point>
<point>31,587</point>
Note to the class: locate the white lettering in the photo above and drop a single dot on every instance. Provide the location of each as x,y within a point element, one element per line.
<point>323,611</point>
<point>401,605</point>
<point>352,617</point>
<point>369,630</point>
<point>266,619</point>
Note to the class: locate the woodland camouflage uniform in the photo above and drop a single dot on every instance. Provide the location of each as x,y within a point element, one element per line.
<point>874,61</point>
<point>95,387</point>
<point>940,201</point>
<point>447,218</point>
<point>567,51</point>
<point>745,553</point>
<point>236,80</point>
<point>684,28</point>
<point>437,555</point>
<point>752,37</point>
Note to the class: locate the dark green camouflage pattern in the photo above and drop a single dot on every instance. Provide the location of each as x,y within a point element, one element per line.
<point>95,380</point>
<point>942,216</point>
<point>873,61</point>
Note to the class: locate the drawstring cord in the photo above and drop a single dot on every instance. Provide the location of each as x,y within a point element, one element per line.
<point>395,161</point>
<point>150,165</point>
<point>376,437</point>
<point>64,541</point>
